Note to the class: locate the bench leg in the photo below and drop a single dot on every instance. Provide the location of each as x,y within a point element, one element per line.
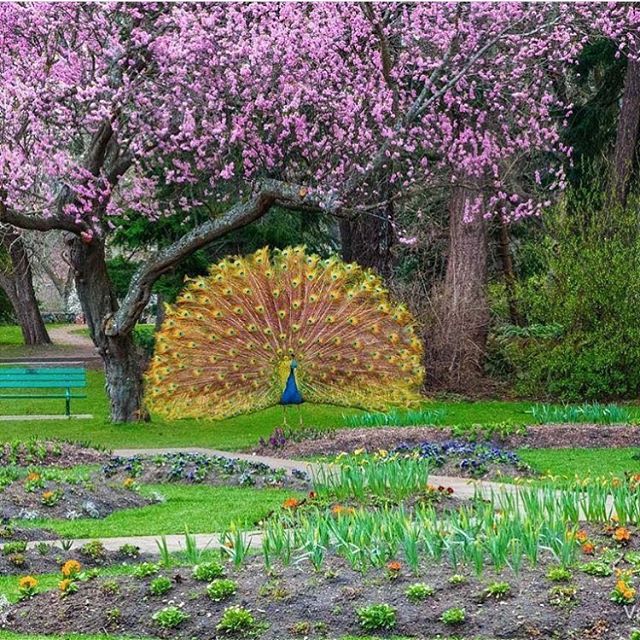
<point>67,402</point>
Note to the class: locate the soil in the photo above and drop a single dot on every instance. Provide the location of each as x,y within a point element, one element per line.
<point>536,437</point>
<point>36,563</point>
<point>9,533</point>
<point>295,602</point>
<point>54,453</point>
<point>86,500</point>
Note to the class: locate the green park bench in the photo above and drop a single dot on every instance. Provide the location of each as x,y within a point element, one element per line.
<point>33,379</point>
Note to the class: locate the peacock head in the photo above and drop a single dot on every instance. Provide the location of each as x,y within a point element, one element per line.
<point>294,363</point>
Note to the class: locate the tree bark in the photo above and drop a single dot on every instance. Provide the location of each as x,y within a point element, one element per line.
<point>17,282</point>
<point>628,134</point>
<point>122,362</point>
<point>457,344</point>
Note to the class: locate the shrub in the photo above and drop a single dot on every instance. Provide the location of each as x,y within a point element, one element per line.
<point>589,284</point>
<point>160,585</point>
<point>419,591</point>
<point>455,615</point>
<point>145,569</point>
<point>597,568</point>
<point>236,620</point>
<point>559,574</point>
<point>221,589</point>
<point>19,546</point>
<point>208,571</point>
<point>497,590</point>
<point>376,617</point>
<point>94,550</point>
<point>457,579</point>
<point>562,596</point>
<point>129,551</point>
<point>169,617</point>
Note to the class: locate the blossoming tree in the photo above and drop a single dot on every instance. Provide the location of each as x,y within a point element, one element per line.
<point>167,109</point>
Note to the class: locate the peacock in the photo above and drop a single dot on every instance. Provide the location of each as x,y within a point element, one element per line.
<point>283,326</point>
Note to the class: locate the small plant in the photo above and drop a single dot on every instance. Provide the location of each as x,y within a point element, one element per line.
<point>145,569</point>
<point>497,590</point>
<point>455,615</point>
<point>419,591</point>
<point>236,620</point>
<point>66,544</point>
<point>635,634</point>
<point>19,546</point>
<point>17,559</point>
<point>129,551</point>
<point>160,585</point>
<point>67,587</point>
<point>562,596</point>
<point>94,550</point>
<point>559,574</point>
<point>393,569</point>
<point>169,617</point>
<point>113,616</point>
<point>70,569</point>
<point>302,628</point>
<point>163,550</point>
<point>208,571</point>
<point>221,589</point>
<point>597,568</point>
<point>43,548</point>
<point>457,579</point>
<point>111,588</point>
<point>377,617</point>
<point>51,498</point>
<point>27,587</point>
<point>623,593</point>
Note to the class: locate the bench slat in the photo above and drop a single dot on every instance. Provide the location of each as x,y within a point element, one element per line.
<point>42,384</point>
<point>40,370</point>
<point>15,396</point>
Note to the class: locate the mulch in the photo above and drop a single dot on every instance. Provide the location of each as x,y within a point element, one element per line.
<point>536,437</point>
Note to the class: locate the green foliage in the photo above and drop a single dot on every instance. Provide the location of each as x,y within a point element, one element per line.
<point>590,286</point>
<point>221,589</point>
<point>594,413</point>
<point>208,571</point>
<point>419,591</point>
<point>455,615</point>
<point>376,617</point>
<point>160,585</point>
<point>635,634</point>
<point>559,574</point>
<point>597,568</point>
<point>497,590</point>
<point>169,617</point>
<point>396,418</point>
<point>145,569</point>
<point>236,620</point>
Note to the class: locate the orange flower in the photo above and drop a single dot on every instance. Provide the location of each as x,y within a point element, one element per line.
<point>47,495</point>
<point>129,483</point>
<point>340,510</point>
<point>394,566</point>
<point>33,477</point>
<point>622,534</point>
<point>291,503</point>
<point>70,568</point>
<point>588,548</point>
<point>64,585</point>
<point>582,536</point>
<point>27,583</point>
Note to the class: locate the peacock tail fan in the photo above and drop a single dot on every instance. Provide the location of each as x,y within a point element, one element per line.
<point>226,345</point>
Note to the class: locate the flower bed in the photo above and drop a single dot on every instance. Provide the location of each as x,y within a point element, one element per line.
<point>202,469</point>
<point>291,602</point>
<point>43,453</point>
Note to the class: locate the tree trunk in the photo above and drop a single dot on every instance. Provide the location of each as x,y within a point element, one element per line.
<point>17,282</point>
<point>368,240</point>
<point>122,362</point>
<point>628,133</point>
<point>456,348</point>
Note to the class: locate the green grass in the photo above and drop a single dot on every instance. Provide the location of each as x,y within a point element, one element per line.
<point>12,344</point>
<point>199,508</point>
<point>582,462</point>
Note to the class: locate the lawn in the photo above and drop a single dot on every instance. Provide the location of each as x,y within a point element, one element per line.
<point>196,508</point>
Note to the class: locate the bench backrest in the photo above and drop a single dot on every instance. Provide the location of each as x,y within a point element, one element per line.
<point>42,378</point>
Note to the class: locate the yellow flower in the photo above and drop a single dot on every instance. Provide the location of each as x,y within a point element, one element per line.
<point>27,583</point>
<point>64,585</point>
<point>70,568</point>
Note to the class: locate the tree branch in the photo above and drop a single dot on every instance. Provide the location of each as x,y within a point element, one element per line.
<point>267,194</point>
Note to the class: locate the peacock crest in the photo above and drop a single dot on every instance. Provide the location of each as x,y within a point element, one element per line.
<point>226,346</point>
